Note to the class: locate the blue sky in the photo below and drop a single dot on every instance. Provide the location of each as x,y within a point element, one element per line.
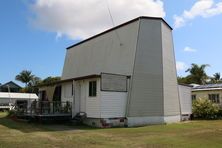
<point>34,34</point>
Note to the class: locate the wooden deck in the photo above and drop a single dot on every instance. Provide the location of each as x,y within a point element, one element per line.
<point>45,111</point>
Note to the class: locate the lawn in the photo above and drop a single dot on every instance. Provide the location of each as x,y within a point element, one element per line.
<point>188,134</point>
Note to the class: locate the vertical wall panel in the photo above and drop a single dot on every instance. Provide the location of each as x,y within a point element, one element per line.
<point>185,99</point>
<point>113,104</point>
<point>147,80</point>
<point>171,95</point>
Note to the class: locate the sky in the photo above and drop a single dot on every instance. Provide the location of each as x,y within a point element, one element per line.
<point>34,34</point>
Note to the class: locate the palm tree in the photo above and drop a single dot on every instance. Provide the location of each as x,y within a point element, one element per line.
<point>25,77</point>
<point>216,78</point>
<point>35,81</point>
<point>197,73</point>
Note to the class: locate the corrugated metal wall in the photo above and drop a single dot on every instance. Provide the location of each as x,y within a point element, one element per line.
<point>146,92</point>
<point>154,89</point>
<point>105,53</point>
<point>171,95</point>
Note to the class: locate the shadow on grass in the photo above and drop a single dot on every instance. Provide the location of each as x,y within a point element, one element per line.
<point>28,127</point>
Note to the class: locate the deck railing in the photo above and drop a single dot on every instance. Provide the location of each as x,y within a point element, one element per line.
<point>44,108</point>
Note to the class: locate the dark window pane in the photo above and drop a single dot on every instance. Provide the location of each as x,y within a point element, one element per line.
<point>92,88</point>
<point>193,97</point>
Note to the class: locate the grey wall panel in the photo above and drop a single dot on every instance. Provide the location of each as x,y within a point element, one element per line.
<point>106,53</point>
<point>171,95</point>
<point>147,80</point>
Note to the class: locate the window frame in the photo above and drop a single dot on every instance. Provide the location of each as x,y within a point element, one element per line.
<point>193,97</point>
<point>214,98</point>
<point>92,88</point>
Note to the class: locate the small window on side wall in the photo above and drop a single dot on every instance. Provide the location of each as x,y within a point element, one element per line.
<point>92,89</point>
<point>193,97</point>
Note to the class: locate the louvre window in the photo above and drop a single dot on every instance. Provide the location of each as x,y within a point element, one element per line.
<point>215,98</point>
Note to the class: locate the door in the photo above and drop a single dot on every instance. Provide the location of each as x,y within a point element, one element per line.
<point>80,97</point>
<point>57,94</point>
<point>42,95</point>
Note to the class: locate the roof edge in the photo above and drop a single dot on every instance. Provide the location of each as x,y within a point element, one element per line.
<point>11,82</point>
<point>119,26</point>
<point>70,80</point>
<point>187,85</point>
<point>205,89</point>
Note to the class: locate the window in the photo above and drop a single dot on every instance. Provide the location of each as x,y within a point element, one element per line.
<point>92,88</point>
<point>193,97</point>
<point>215,98</point>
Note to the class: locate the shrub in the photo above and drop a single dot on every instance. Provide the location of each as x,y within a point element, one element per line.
<point>219,114</point>
<point>205,109</point>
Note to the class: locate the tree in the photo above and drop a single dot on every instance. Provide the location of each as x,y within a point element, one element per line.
<point>35,81</point>
<point>25,77</point>
<point>32,86</point>
<point>216,78</point>
<point>30,81</point>
<point>184,80</point>
<point>197,74</point>
<point>50,80</point>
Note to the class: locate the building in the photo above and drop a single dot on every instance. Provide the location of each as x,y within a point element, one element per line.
<point>7,100</point>
<point>185,101</point>
<point>9,96</point>
<point>10,87</point>
<point>123,76</point>
<point>212,92</point>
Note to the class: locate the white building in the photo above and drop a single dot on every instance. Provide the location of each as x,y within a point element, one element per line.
<point>185,101</point>
<point>123,76</point>
<point>7,99</point>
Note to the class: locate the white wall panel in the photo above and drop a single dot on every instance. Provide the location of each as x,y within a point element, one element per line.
<point>185,99</point>
<point>113,104</point>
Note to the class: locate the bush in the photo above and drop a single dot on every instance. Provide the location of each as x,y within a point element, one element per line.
<point>205,109</point>
<point>219,114</point>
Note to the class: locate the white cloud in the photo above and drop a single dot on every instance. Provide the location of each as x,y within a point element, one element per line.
<point>81,18</point>
<point>181,66</point>
<point>189,49</point>
<point>202,8</point>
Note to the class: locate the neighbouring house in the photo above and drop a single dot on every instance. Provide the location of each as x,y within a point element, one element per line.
<point>10,87</point>
<point>185,101</point>
<point>123,76</point>
<point>213,92</point>
<point>9,96</point>
<point>7,100</point>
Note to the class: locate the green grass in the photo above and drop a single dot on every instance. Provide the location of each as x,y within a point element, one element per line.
<point>190,134</point>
